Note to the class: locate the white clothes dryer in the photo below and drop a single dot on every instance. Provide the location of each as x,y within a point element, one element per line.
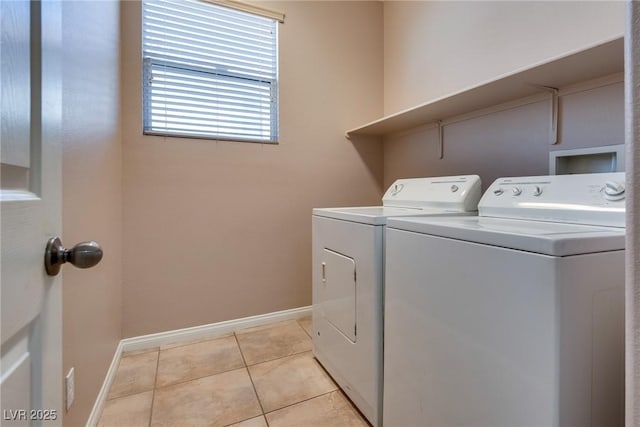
<point>514,317</point>
<point>348,251</point>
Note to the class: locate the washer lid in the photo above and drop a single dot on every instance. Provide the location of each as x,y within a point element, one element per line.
<point>377,215</point>
<point>547,238</point>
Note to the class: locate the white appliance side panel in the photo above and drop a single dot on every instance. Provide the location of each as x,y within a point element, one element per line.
<point>591,301</point>
<point>355,366</point>
<point>339,292</point>
<point>460,351</point>
<point>506,337</point>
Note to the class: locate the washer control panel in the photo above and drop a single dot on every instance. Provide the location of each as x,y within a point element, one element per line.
<point>596,199</point>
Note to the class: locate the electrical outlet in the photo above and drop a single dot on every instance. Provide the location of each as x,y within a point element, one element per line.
<point>70,388</point>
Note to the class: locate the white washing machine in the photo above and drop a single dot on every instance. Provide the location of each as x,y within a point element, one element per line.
<point>348,251</point>
<point>511,318</point>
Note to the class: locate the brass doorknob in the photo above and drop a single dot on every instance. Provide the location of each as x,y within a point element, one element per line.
<point>82,255</point>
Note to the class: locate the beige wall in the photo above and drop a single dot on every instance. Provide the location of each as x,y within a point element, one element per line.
<point>513,142</point>
<point>221,230</point>
<point>435,48</point>
<point>92,202</point>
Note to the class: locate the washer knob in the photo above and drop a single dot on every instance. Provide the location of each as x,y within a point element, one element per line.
<point>614,190</point>
<point>516,191</point>
<point>498,191</point>
<point>537,191</point>
<point>454,188</point>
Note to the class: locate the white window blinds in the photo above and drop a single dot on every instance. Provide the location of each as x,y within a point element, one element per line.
<point>209,72</point>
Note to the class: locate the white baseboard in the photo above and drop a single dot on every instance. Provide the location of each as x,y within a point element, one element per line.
<point>187,334</point>
<point>94,416</point>
<point>211,330</point>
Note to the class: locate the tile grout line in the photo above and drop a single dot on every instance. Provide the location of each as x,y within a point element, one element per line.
<point>246,419</point>
<point>139,352</point>
<point>339,390</point>
<point>281,357</point>
<point>171,346</point>
<point>264,414</point>
<point>305,400</point>
<point>308,333</point>
<point>199,378</point>
<point>153,395</point>
<point>250,377</point>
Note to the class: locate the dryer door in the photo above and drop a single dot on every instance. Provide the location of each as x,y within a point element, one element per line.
<point>339,292</point>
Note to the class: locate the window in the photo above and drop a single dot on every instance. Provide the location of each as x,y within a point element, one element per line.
<point>210,71</point>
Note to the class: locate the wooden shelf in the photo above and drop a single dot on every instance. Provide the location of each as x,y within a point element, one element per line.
<point>596,61</point>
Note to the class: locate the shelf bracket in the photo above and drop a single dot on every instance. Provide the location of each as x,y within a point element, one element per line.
<point>554,132</point>
<point>440,137</point>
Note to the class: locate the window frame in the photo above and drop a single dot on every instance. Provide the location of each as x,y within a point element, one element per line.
<point>148,64</point>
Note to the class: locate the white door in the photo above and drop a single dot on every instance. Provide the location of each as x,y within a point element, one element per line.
<point>30,209</point>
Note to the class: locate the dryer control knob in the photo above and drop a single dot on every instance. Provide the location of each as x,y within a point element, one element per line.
<point>498,191</point>
<point>537,191</point>
<point>614,190</point>
<point>516,191</point>
<point>454,188</point>
<point>396,189</point>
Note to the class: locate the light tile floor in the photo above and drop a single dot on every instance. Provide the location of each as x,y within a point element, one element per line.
<point>258,377</point>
